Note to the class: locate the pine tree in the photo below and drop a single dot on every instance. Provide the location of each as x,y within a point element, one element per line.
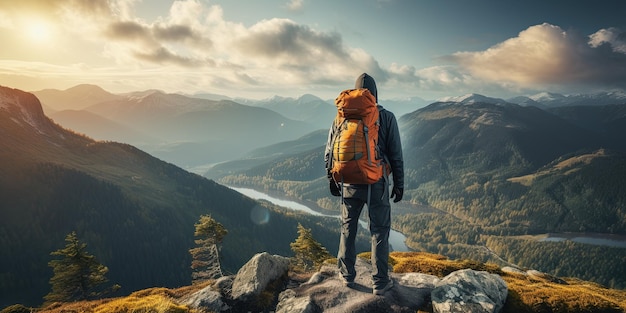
<point>309,253</point>
<point>205,262</point>
<point>77,275</point>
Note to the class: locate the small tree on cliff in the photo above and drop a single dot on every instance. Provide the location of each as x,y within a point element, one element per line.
<point>205,261</point>
<point>309,253</point>
<point>77,275</point>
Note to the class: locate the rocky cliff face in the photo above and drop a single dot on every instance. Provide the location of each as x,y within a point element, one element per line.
<point>24,110</point>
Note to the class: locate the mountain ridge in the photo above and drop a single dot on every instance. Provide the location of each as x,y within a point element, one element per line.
<point>473,98</point>
<point>548,99</point>
<point>188,131</point>
<point>76,98</point>
<point>159,114</point>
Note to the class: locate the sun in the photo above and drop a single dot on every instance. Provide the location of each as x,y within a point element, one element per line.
<point>38,31</point>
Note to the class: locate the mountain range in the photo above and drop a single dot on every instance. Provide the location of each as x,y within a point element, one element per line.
<point>553,100</point>
<point>135,212</point>
<point>183,130</point>
<point>186,129</point>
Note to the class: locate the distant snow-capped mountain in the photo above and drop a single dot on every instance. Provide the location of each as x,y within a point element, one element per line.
<point>525,101</point>
<point>473,98</point>
<point>547,97</point>
<point>553,100</point>
<point>545,100</point>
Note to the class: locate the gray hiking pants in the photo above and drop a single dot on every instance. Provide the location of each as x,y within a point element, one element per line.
<point>379,209</point>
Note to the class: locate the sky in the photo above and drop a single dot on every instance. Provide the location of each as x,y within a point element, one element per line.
<point>261,48</point>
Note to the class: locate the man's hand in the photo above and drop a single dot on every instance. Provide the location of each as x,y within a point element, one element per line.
<point>396,194</point>
<point>334,188</point>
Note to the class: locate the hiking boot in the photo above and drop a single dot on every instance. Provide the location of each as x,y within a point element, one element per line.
<point>380,292</point>
<point>346,282</point>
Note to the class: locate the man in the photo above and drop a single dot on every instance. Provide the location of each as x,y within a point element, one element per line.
<point>355,196</point>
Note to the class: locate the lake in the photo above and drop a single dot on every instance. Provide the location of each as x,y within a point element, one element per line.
<point>396,239</point>
<point>586,238</point>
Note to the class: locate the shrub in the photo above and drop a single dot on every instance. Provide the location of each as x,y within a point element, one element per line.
<point>16,308</point>
<point>151,304</point>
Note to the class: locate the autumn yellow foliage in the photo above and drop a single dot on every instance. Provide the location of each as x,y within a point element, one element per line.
<point>526,293</point>
<point>152,300</point>
<point>148,304</point>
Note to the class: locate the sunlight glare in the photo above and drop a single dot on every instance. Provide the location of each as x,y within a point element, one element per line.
<point>38,31</point>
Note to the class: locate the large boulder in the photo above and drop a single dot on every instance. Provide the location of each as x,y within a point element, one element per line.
<point>255,275</point>
<point>469,291</point>
<point>290,302</point>
<point>208,298</point>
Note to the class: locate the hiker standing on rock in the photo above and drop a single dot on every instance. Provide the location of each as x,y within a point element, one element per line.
<point>363,148</point>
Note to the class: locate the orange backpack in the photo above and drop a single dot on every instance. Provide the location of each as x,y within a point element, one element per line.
<point>355,155</point>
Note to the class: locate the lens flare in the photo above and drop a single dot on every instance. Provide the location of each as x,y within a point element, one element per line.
<point>260,215</point>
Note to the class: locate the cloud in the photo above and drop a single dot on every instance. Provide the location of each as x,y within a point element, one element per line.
<point>275,51</point>
<point>177,39</point>
<point>156,43</point>
<point>295,5</point>
<point>546,54</point>
<point>127,30</point>
<point>269,56</point>
<point>612,36</point>
<point>55,6</point>
<point>301,53</point>
<point>174,33</point>
<point>441,80</point>
<point>201,48</point>
<point>288,42</point>
<point>164,56</point>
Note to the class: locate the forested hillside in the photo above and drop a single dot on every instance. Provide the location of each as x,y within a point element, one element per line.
<point>135,212</point>
<point>467,160</point>
<point>480,175</point>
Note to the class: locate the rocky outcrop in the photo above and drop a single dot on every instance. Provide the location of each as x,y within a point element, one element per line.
<point>209,299</point>
<point>469,291</point>
<point>534,275</point>
<point>241,292</point>
<point>326,292</point>
<point>461,291</point>
<point>255,275</point>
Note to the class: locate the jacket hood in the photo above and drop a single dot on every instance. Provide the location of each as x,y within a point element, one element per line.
<point>366,81</point>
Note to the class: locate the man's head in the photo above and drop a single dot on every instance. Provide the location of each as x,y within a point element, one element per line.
<point>366,81</point>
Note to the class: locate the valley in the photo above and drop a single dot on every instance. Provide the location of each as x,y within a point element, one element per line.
<point>485,180</point>
<point>477,195</point>
<point>396,239</point>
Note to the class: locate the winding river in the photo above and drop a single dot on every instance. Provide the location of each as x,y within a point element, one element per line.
<point>396,239</point>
